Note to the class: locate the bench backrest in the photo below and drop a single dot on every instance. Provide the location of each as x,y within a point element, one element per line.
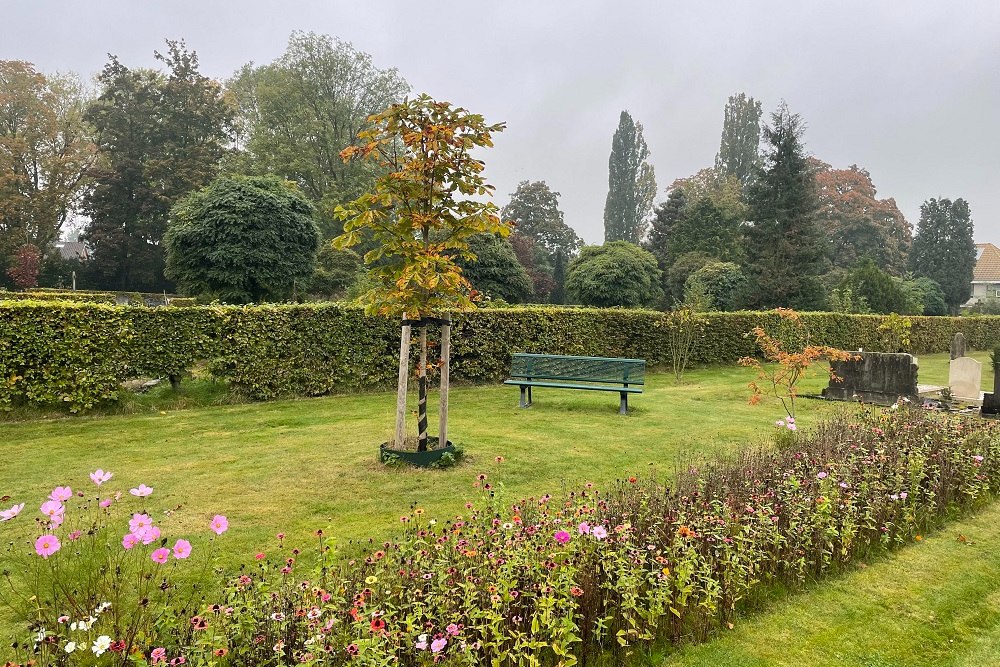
<point>582,369</point>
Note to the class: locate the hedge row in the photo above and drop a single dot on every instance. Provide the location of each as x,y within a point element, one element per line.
<point>86,296</point>
<point>78,354</point>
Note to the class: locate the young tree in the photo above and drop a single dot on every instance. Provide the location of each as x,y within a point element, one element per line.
<point>45,151</point>
<point>26,266</point>
<point>944,250</point>
<point>857,224</point>
<point>299,112</point>
<point>242,240</point>
<point>739,150</point>
<point>666,217</point>
<point>421,220</point>
<point>617,273</point>
<point>159,137</point>
<point>784,243</point>
<point>631,184</point>
<point>722,283</point>
<point>534,212</point>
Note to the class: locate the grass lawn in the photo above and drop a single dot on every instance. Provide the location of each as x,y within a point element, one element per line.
<point>295,466</point>
<point>933,604</point>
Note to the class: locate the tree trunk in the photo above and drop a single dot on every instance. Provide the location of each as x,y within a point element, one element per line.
<point>422,388</point>
<point>445,382</point>
<point>404,372</point>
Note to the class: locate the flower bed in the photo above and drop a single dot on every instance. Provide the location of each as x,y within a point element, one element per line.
<point>559,580</point>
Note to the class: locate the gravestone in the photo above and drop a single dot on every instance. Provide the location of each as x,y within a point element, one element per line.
<point>965,377</point>
<point>122,299</point>
<point>874,377</point>
<point>958,346</point>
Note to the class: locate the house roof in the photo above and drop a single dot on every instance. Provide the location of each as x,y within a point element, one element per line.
<point>73,250</point>
<point>987,264</point>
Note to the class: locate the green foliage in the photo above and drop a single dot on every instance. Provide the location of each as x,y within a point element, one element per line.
<point>681,270</point>
<point>617,273</point>
<point>944,250</point>
<point>723,284</point>
<point>631,184</point>
<point>895,332</point>
<point>929,294</point>
<point>784,244</point>
<point>495,271</point>
<point>739,154</point>
<point>534,212</point>
<point>242,239</point>
<point>299,112</point>
<point>558,295</point>
<point>880,291</point>
<point>77,355</point>
<point>665,218</point>
<point>418,213</point>
<point>844,300</point>
<point>703,227</point>
<point>161,136</point>
<point>336,272</point>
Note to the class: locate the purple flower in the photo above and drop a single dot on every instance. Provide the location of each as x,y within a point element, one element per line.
<point>822,475</point>
<point>583,528</point>
<point>438,644</point>
<point>562,537</point>
<point>599,532</point>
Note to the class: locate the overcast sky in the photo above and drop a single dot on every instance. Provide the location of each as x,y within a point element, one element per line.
<point>910,91</point>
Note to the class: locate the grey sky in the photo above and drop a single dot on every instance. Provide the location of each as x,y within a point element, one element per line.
<point>910,91</point>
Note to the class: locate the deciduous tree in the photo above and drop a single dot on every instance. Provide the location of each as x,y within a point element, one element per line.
<point>739,150</point>
<point>534,211</point>
<point>631,184</point>
<point>299,112</point>
<point>45,151</point>
<point>617,273</point>
<point>421,216</point>
<point>496,271</point>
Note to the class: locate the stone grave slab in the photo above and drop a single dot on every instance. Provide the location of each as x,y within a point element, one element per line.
<point>965,377</point>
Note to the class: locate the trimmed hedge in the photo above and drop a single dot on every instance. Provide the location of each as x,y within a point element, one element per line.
<point>78,354</point>
<point>87,296</point>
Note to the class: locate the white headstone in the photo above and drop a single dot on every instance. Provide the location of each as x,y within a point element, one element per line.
<point>965,377</point>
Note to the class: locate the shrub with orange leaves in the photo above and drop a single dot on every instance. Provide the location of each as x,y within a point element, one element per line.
<point>787,355</point>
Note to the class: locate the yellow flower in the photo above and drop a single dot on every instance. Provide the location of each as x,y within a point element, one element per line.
<point>371,580</point>
<point>666,571</point>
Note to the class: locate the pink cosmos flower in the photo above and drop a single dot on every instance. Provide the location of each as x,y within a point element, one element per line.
<point>141,491</point>
<point>421,644</point>
<point>562,537</point>
<point>130,540</point>
<point>139,521</point>
<point>438,644</point>
<point>182,549</point>
<point>821,475</point>
<point>160,555</point>
<point>75,535</point>
<point>51,508</point>
<point>452,629</point>
<point>158,655</point>
<point>583,528</point>
<point>148,535</point>
<point>106,502</point>
<point>61,494</point>
<point>100,477</point>
<point>46,545</point>
<point>7,515</point>
<point>219,525</point>
<point>599,532</point>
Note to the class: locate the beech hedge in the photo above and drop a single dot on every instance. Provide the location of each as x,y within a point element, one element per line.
<point>78,354</point>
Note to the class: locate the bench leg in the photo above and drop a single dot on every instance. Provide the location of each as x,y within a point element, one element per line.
<point>530,400</point>
<point>623,408</point>
<point>525,397</point>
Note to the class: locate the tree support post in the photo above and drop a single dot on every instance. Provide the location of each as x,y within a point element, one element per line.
<point>445,382</point>
<point>422,393</point>
<point>404,372</point>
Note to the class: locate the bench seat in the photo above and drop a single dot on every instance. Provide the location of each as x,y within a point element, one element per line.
<point>557,385</point>
<point>571,372</point>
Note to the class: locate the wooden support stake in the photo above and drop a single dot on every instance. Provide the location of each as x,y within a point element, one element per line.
<point>404,373</point>
<point>422,393</point>
<point>445,368</point>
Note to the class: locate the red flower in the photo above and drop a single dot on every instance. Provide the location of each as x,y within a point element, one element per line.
<point>378,625</point>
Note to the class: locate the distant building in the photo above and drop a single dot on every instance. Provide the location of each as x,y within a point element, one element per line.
<point>73,250</point>
<point>986,275</point>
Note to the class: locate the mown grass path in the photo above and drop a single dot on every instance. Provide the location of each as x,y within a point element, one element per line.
<point>935,603</point>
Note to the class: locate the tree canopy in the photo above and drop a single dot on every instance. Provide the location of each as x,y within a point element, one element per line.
<point>496,271</point>
<point>299,112</point>
<point>242,240</point>
<point>617,273</point>
<point>944,249</point>
<point>534,211</point>
<point>739,149</point>
<point>631,184</point>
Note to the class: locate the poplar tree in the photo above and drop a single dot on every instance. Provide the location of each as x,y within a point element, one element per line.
<point>631,184</point>
<point>944,250</point>
<point>739,154</point>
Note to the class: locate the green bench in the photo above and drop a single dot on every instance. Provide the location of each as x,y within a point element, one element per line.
<point>588,373</point>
